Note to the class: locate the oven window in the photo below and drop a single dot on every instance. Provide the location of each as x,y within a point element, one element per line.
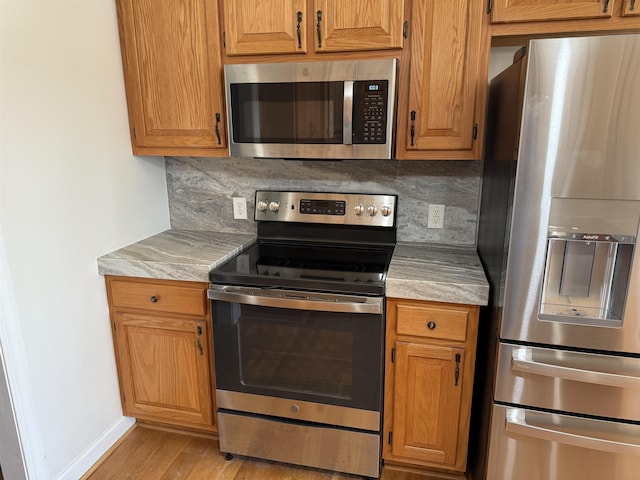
<point>296,358</point>
<point>301,112</point>
<point>325,357</point>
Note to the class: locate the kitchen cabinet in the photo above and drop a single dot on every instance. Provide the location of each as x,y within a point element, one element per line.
<point>258,27</point>
<point>430,361</point>
<point>173,79</point>
<point>443,81</point>
<point>541,17</point>
<point>162,340</point>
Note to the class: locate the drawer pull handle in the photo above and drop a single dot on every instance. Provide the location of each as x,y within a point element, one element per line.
<point>413,127</point>
<point>299,29</point>
<point>198,342</point>
<point>318,26</point>
<point>154,299</point>
<point>431,325</point>
<point>217,127</point>
<point>522,361</point>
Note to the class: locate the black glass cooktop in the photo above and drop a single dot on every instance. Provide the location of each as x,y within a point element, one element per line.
<point>317,267</point>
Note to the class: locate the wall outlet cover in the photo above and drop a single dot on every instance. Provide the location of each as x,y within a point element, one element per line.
<point>436,216</point>
<point>239,208</point>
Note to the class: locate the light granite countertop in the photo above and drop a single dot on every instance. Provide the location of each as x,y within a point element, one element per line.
<point>438,273</point>
<point>174,255</point>
<point>417,271</point>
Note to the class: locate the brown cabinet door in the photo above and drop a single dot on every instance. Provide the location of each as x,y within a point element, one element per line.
<point>357,25</point>
<point>446,75</point>
<point>427,397</point>
<point>541,10</point>
<point>173,77</point>
<point>164,368</point>
<point>631,8</point>
<point>265,26</point>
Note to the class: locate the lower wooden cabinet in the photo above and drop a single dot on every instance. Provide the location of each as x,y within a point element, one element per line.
<point>163,345</point>
<point>429,381</point>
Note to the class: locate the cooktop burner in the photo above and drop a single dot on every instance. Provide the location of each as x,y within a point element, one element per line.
<point>339,243</point>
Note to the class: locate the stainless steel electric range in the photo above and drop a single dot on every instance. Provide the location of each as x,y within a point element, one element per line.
<point>298,331</point>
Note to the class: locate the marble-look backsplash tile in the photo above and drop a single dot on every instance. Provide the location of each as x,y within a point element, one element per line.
<point>200,191</point>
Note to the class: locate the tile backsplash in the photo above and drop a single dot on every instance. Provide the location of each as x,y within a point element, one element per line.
<point>200,191</point>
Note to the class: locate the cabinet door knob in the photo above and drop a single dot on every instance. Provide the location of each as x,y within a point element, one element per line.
<point>154,299</point>
<point>431,325</point>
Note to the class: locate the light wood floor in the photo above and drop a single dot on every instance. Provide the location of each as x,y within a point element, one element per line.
<point>154,454</point>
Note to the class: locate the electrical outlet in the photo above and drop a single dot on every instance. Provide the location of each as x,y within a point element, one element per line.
<point>239,208</point>
<point>436,216</point>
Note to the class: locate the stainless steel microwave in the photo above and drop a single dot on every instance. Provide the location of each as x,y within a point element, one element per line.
<point>336,109</point>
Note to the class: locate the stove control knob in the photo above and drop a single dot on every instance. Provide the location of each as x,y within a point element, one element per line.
<point>385,210</point>
<point>274,206</point>
<point>372,210</point>
<point>262,205</point>
<point>358,209</point>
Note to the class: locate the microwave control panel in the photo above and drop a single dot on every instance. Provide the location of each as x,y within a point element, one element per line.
<point>370,102</point>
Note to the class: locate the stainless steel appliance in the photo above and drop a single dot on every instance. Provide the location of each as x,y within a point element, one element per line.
<point>298,328</point>
<point>338,109</point>
<point>558,235</point>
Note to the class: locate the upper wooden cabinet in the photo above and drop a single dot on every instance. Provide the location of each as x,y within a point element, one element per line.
<point>631,8</point>
<point>258,27</point>
<point>254,27</point>
<point>443,84</point>
<point>543,17</point>
<point>173,79</point>
<point>351,25</point>
<point>531,10</point>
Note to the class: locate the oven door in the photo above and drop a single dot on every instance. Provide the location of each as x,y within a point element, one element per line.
<point>316,349</point>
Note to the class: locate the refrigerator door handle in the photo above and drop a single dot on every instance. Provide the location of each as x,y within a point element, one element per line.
<point>522,361</point>
<point>516,423</point>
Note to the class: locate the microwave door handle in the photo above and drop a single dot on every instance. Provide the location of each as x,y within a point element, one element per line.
<point>347,114</point>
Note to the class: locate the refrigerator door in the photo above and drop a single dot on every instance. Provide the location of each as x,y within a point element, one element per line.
<point>583,383</point>
<point>532,445</point>
<point>577,182</point>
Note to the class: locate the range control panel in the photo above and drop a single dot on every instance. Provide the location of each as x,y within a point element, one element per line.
<point>327,208</point>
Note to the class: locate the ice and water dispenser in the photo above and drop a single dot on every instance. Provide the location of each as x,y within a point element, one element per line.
<point>590,260</point>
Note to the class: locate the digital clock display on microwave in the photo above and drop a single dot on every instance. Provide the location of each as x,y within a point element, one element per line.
<point>323,207</point>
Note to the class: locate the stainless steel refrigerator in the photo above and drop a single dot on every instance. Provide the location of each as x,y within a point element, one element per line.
<point>559,389</point>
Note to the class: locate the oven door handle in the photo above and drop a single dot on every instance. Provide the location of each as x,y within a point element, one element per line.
<point>319,302</point>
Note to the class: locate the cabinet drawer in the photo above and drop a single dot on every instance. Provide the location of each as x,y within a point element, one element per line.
<point>432,322</point>
<point>159,297</point>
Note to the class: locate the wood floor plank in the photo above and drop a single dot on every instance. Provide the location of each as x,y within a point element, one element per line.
<point>150,454</point>
<point>131,457</point>
<point>213,466</point>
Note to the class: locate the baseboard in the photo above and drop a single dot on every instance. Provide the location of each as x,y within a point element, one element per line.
<point>95,451</point>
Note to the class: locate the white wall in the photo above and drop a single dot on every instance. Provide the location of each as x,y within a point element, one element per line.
<point>70,191</point>
<point>501,58</point>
